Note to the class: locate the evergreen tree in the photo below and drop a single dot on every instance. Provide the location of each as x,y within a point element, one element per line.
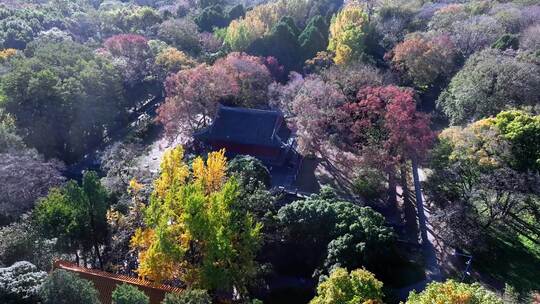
<point>314,38</point>
<point>129,294</point>
<point>76,216</point>
<point>281,43</point>
<point>62,287</point>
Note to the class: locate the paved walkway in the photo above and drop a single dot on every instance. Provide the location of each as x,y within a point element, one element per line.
<point>428,240</point>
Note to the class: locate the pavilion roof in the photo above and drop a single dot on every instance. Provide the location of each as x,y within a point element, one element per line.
<point>247,126</point>
<point>106,282</point>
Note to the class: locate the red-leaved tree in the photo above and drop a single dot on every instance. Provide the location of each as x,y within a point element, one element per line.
<point>193,95</point>
<point>127,45</point>
<point>276,70</point>
<point>251,75</point>
<point>192,98</point>
<point>131,54</point>
<point>384,127</point>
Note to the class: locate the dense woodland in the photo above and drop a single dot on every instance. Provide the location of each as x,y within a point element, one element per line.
<point>385,93</point>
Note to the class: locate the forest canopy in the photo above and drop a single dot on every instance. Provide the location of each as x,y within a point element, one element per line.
<point>271,151</point>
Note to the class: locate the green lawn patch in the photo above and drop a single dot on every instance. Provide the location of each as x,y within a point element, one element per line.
<point>508,260</point>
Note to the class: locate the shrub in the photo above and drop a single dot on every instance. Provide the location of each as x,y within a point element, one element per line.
<point>530,38</point>
<point>369,184</point>
<point>62,287</point>
<point>250,170</point>
<point>129,294</point>
<point>190,296</point>
<point>20,282</point>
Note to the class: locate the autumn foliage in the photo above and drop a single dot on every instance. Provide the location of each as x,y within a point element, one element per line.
<point>130,54</point>
<point>173,60</point>
<point>385,120</point>
<point>347,34</point>
<point>127,45</point>
<point>358,286</point>
<point>260,20</point>
<point>424,61</point>
<point>193,95</point>
<point>193,231</point>
<point>250,74</point>
<point>6,53</point>
<point>454,292</point>
<point>311,105</point>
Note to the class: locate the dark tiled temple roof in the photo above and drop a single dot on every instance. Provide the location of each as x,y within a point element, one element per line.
<point>106,282</point>
<point>247,126</point>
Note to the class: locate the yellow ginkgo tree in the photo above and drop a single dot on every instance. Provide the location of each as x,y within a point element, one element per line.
<point>193,232</point>
<point>348,34</point>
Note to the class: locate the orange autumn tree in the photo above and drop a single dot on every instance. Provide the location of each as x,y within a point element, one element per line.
<point>6,54</point>
<point>193,230</point>
<point>424,61</point>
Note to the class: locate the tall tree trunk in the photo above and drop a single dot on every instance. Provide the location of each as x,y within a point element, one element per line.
<point>96,248</point>
<point>392,189</point>
<point>95,241</point>
<point>404,182</point>
<point>419,202</point>
<point>409,210</point>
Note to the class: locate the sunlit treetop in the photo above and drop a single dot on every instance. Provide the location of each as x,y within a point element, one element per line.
<point>261,19</point>
<point>512,138</point>
<point>6,54</point>
<point>193,231</point>
<point>358,286</point>
<point>171,60</point>
<point>347,34</point>
<point>453,292</point>
<point>424,61</point>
